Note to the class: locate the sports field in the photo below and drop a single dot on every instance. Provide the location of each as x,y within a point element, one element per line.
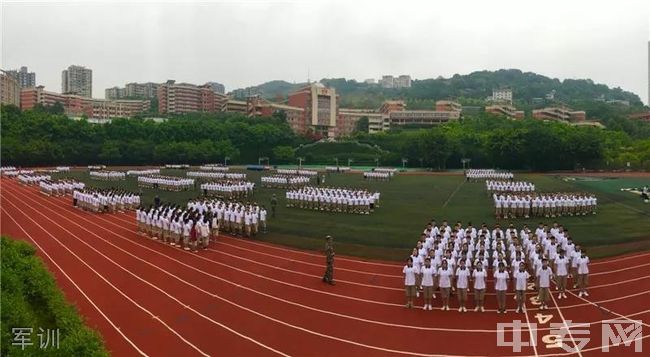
<point>411,199</point>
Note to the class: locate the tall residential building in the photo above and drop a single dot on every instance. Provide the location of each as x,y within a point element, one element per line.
<point>24,78</point>
<point>77,80</point>
<point>217,87</point>
<point>9,89</point>
<point>114,93</point>
<point>141,90</point>
<point>321,108</point>
<point>502,95</point>
<point>388,81</point>
<point>178,98</point>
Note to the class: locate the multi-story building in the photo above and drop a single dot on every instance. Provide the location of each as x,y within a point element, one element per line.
<point>505,110</point>
<point>9,89</point>
<point>24,78</point>
<point>370,81</point>
<point>348,119</point>
<point>389,81</point>
<point>77,106</point>
<point>114,93</point>
<point>141,90</point>
<point>235,106</point>
<point>643,116</point>
<point>77,80</point>
<point>502,95</point>
<point>321,108</point>
<point>392,106</point>
<point>403,81</point>
<point>560,114</point>
<point>217,87</point>
<point>177,98</point>
<point>422,117</point>
<point>257,106</point>
<point>448,106</point>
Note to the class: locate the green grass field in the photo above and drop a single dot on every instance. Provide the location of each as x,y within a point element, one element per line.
<point>409,201</point>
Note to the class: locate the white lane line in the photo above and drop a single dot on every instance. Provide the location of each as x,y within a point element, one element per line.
<point>296,304</point>
<point>143,280</point>
<point>42,250</point>
<point>104,279</point>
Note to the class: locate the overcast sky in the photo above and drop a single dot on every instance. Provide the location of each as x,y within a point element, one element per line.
<point>246,43</point>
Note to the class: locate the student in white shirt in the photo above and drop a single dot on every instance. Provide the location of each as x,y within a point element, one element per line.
<point>561,271</point>
<point>478,276</point>
<point>444,282</point>
<point>428,275</point>
<point>462,283</point>
<point>544,276</point>
<point>574,264</point>
<point>583,273</point>
<point>501,278</point>
<point>410,272</point>
<point>521,277</point>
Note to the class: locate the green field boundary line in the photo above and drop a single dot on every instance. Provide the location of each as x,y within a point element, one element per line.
<point>453,194</point>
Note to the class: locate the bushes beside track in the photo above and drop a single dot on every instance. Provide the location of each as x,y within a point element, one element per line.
<point>31,299</point>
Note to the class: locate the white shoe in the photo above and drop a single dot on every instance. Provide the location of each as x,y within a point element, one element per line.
<point>504,311</point>
<point>559,296</point>
<point>433,296</point>
<point>460,309</point>
<point>425,307</point>
<point>482,309</point>
<point>564,295</point>
<point>523,309</point>
<point>476,309</point>
<point>417,294</point>
<point>580,294</point>
<point>586,293</point>
<point>430,307</point>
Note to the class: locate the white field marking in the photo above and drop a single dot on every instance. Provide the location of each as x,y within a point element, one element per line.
<point>75,284</point>
<point>575,345</point>
<point>326,336</point>
<point>290,284</point>
<point>618,270</point>
<point>271,246</point>
<point>307,307</point>
<point>103,278</point>
<point>146,282</point>
<point>453,194</point>
<point>533,340</point>
<point>609,310</point>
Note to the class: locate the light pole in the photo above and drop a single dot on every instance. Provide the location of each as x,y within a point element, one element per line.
<point>377,162</point>
<point>350,160</point>
<point>225,160</point>
<point>300,160</point>
<point>404,161</point>
<point>263,158</point>
<point>337,161</point>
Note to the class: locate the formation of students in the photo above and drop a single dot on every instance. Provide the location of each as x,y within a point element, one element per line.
<point>297,172</point>
<point>194,226</point>
<point>390,170</point>
<point>337,168</point>
<point>107,175</point>
<point>32,179</point>
<point>331,199</point>
<point>217,175</point>
<point>230,189</point>
<point>63,168</point>
<point>482,174</point>
<point>177,166</point>
<point>284,181</point>
<point>96,167</point>
<point>544,205</point>
<point>104,201</point>
<point>509,186</point>
<point>60,187</point>
<point>459,259</point>
<point>7,168</point>
<point>15,173</point>
<point>143,172</point>
<point>167,183</point>
<point>377,176</point>
<point>214,167</point>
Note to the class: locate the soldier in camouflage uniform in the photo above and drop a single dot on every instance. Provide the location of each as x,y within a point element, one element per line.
<point>329,252</point>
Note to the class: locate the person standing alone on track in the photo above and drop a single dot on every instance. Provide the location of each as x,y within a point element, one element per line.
<point>274,202</point>
<point>329,253</point>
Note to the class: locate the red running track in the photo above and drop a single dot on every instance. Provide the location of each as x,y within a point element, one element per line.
<point>246,298</point>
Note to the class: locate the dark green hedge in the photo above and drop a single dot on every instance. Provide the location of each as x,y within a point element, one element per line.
<point>30,298</point>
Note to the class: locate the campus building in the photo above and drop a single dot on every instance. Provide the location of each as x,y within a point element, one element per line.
<point>77,106</point>
<point>643,116</point>
<point>320,106</point>
<point>178,98</point>
<point>505,110</point>
<point>448,106</point>
<point>114,93</point>
<point>24,78</point>
<point>560,114</point>
<point>77,80</point>
<point>398,115</point>
<point>389,81</point>
<point>257,106</point>
<point>9,89</point>
<point>349,118</point>
<point>217,87</point>
<point>141,90</point>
